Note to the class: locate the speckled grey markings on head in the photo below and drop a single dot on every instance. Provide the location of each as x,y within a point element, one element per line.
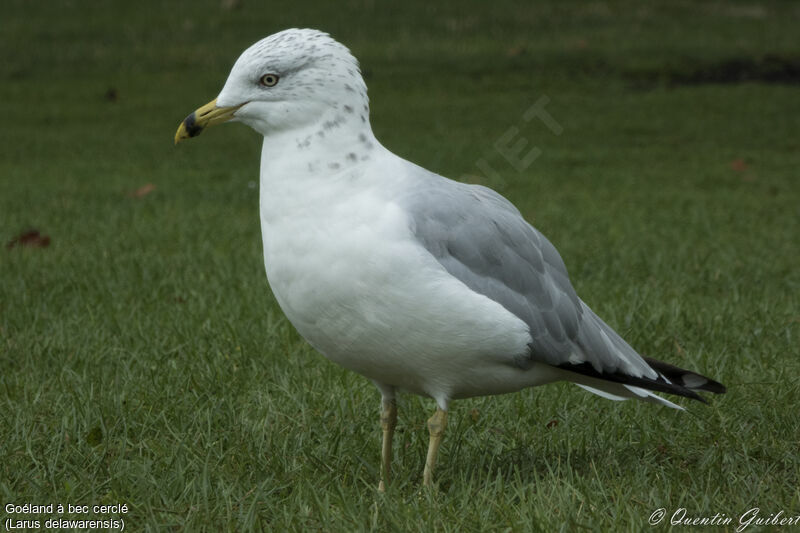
<point>316,48</point>
<point>335,77</point>
<point>366,142</point>
<point>305,143</point>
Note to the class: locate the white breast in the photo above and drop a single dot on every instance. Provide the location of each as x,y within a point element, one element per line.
<point>347,272</point>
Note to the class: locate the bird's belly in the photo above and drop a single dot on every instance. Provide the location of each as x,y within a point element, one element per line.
<point>370,299</point>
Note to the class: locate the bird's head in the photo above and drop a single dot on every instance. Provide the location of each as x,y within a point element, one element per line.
<point>287,80</point>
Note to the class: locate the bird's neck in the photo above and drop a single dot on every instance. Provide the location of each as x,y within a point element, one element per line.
<point>339,140</point>
<point>305,168</point>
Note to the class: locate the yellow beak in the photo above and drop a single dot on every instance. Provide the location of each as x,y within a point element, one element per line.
<point>206,116</point>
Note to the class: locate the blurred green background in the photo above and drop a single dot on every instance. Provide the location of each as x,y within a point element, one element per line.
<point>144,361</point>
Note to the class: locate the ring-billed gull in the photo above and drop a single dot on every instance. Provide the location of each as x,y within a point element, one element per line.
<point>417,282</point>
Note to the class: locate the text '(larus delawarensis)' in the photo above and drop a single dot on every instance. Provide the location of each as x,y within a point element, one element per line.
<point>417,282</point>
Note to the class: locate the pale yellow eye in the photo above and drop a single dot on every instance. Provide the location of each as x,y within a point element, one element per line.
<point>269,80</point>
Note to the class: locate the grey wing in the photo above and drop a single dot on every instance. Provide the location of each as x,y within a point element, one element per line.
<point>481,238</point>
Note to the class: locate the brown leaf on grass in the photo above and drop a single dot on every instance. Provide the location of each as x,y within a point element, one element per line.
<point>739,165</point>
<point>142,191</point>
<point>553,423</point>
<point>474,414</point>
<point>31,238</point>
<point>516,50</point>
<point>678,348</point>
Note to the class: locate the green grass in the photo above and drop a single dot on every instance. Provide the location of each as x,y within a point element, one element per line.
<point>144,361</point>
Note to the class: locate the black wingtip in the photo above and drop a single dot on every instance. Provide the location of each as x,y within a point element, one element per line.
<point>671,380</point>
<point>656,385</point>
<point>686,378</point>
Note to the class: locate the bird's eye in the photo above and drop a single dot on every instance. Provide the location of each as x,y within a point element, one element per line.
<point>269,80</point>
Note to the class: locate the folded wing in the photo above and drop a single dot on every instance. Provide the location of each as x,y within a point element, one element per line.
<point>480,238</point>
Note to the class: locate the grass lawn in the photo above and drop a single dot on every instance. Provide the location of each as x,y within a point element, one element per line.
<point>143,360</point>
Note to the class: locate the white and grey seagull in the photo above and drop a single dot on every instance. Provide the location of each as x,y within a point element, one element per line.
<point>417,282</point>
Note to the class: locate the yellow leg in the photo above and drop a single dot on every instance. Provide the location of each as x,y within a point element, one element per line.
<point>436,426</point>
<point>388,423</point>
